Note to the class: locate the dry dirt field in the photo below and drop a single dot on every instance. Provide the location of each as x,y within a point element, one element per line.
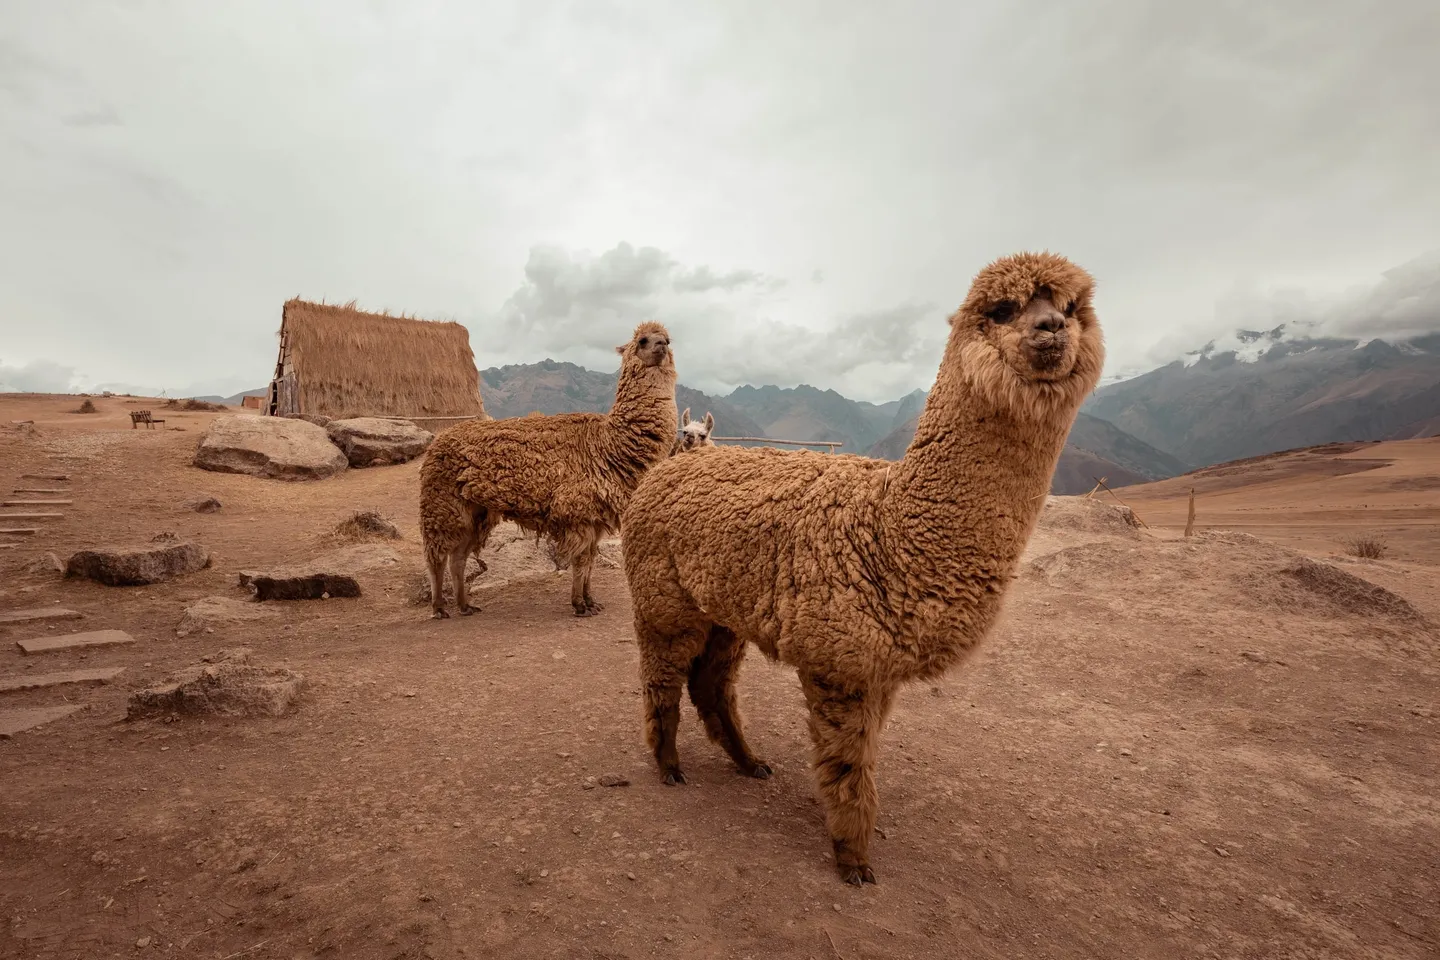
<point>1172,748</point>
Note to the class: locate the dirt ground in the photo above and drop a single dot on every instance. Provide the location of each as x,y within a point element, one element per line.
<point>1171,748</point>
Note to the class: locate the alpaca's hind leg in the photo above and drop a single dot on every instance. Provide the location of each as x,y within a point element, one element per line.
<point>435,571</point>
<point>712,690</point>
<point>479,527</point>
<point>664,665</point>
<point>457,580</point>
<point>845,726</point>
<point>580,599</point>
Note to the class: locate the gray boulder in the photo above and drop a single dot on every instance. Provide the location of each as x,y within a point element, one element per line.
<point>276,447</point>
<point>372,442</point>
<point>228,685</point>
<point>136,566</point>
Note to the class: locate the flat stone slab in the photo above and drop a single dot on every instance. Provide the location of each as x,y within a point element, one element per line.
<point>31,516</point>
<point>75,641</point>
<point>62,678</point>
<point>20,531</point>
<point>58,477</point>
<point>36,503</point>
<point>18,721</point>
<point>37,490</point>
<point>39,613</point>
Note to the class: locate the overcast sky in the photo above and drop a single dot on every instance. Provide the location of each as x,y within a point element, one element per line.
<point>800,190</point>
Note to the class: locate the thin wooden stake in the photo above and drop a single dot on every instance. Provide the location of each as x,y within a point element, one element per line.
<point>1190,519</point>
<point>1095,489</point>
<point>1122,503</point>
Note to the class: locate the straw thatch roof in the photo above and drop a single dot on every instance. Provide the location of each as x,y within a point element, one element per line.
<point>337,361</point>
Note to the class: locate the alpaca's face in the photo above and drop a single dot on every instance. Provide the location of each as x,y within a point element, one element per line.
<point>696,433</point>
<point>1035,312</point>
<point>650,345</point>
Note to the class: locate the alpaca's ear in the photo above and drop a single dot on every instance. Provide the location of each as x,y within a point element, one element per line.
<point>620,350</point>
<point>685,418</point>
<point>709,422</point>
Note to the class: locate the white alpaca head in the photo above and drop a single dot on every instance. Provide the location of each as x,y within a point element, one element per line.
<point>695,433</point>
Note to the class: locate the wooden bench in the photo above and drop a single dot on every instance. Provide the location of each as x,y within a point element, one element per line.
<point>138,417</point>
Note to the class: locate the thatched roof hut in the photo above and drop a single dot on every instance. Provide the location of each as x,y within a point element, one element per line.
<point>337,361</point>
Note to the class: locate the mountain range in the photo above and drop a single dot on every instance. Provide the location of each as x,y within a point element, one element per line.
<point>1279,394</point>
<point>1096,449</point>
<point>1276,393</point>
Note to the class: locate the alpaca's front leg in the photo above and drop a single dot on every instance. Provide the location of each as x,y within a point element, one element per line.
<point>845,728</point>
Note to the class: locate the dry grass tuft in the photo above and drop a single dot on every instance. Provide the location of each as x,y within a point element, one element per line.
<point>367,525</point>
<point>88,406</point>
<point>1369,547</point>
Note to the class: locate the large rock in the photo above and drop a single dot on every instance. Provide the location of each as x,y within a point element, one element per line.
<point>228,685</point>
<point>136,566</point>
<point>372,442</point>
<point>275,447</point>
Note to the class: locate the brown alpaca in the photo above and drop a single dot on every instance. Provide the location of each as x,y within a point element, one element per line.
<point>862,574</point>
<point>694,434</point>
<point>567,477</point>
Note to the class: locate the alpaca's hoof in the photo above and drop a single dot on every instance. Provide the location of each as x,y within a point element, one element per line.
<point>439,615</point>
<point>587,609</point>
<point>468,610</point>
<point>857,874</point>
<point>761,770</point>
<point>674,778</point>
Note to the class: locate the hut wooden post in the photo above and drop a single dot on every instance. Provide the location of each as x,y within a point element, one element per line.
<point>1190,518</point>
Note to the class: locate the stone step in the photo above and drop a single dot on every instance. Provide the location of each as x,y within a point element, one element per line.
<point>36,503</point>
<point>31,516</point>
<point>61,477</point>
<point>18,721</point>
<point>20,531</point>
<point>75,641</point>
<point>39,681</point>
<point>37,490</point>
<point>37,614</point>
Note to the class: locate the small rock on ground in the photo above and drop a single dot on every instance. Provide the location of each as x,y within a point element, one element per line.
<point>208,613</point>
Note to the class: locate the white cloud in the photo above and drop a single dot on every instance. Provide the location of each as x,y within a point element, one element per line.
<point>728,326</point>
<point>1404,303</point>
<point>171,172</point>
<point>37,376</point>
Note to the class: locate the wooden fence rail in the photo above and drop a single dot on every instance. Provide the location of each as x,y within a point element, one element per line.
<point>831,444</point>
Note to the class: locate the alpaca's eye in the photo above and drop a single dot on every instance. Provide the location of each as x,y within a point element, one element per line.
<point>1071,307</point>
<point>1004,311</point>
<point>644,341</point>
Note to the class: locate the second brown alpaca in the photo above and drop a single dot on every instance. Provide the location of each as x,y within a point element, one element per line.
<point>861,574</point>
<point>567,477</point>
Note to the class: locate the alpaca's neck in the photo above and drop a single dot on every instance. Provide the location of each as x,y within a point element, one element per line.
<point>642,418</point>
<point>960,506</point>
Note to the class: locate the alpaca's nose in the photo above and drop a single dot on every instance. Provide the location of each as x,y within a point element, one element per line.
<point>1052,321</point>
